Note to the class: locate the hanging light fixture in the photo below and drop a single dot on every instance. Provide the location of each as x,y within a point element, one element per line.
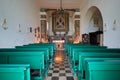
<point>61,10</point>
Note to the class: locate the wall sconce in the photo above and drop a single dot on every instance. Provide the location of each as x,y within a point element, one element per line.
<point>4,25</point>
<point>114,25</point>
<point>105,27</point>
<point>19,28</point>
<point>30,29</point>
<point>35,31</point>
<point>38,28</point>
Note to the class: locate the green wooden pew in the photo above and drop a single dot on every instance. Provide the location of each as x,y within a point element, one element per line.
<point>103,70</point>
<point>46,44</point>
<point>73,53</point>
<point>45,50</point>
<point>76,52</point>
<point>94,59</point>
<point>74,58</point>
<point>67,45</point>
<point>52,45</point>
<point>15,72</point>
<point>114,51</point>
<point>81,45</point>
<point>84,55</point>
<point>78,46</point>
<point>35,59</point>
<point>72,48</point>
<point>37,46</point>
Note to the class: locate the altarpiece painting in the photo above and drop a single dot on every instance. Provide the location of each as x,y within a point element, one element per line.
<point>60,22</point>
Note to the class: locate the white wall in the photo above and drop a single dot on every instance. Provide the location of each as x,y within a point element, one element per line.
<point>23,12</point>
<point>110,12</point>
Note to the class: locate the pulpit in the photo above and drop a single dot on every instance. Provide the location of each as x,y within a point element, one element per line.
<point>59,44</point>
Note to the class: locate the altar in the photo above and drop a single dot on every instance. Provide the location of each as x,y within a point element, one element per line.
<point>59,44</point>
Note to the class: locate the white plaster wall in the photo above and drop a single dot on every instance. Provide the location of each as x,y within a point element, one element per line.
<point>110,12</point>
<point>23,12</point>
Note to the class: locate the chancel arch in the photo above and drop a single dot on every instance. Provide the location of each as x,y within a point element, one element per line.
<point>64,25</point>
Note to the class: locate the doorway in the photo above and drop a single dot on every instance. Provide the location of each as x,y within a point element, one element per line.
<point>95,26</point>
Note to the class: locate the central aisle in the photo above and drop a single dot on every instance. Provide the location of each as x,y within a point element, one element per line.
<point>60,68</point>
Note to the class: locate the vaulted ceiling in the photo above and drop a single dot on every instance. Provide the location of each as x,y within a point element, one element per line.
<point>66,4</point>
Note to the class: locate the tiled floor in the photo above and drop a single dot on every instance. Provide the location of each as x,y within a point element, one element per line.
<point>60,69</point>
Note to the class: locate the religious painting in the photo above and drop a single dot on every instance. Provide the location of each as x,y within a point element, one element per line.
<point>85,38</point>
<point>60,22</point>
<point>70,39</point>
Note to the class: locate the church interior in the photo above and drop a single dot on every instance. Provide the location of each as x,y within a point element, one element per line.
<point>59,40</point>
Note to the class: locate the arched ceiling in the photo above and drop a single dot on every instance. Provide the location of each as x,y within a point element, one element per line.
<point>55,4</point>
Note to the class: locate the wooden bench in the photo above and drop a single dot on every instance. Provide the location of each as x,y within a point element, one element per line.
<point>82,46</point>
<point>15,72</point>
<point>50,45</point>
<point>38,46</point>
<point>76,52</point>
<point>45,50</point>
<point>78,47</point>
<point>67,46</point>
<point>103,70</point>
<point>35,59</point>
<point>45,44</point>
<point>85,55</point>
<point>74,58</point>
